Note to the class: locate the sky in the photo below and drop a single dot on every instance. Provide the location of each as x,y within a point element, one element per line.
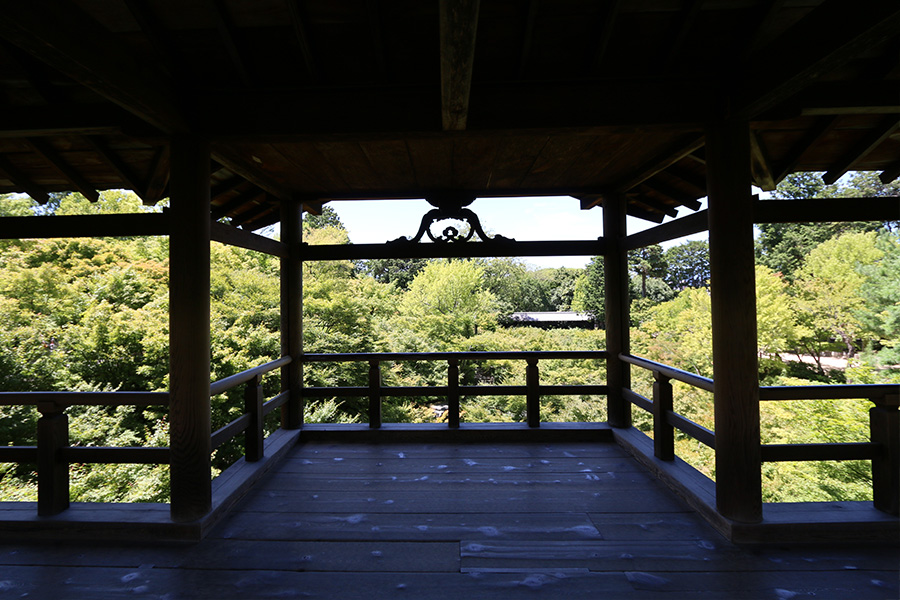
<point>524,219</point>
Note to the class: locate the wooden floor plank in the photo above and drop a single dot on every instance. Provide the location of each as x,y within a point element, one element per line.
<point>362,465</point>
<point>410,526</point>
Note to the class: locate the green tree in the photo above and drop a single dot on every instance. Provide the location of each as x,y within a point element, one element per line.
<point>880,313</point>
<point>399,271</point>
<point>688,265</point>
<point>646,263</point>
<point>589,294</point>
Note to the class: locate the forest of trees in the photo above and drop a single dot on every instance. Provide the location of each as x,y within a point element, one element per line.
<point>91,314</point>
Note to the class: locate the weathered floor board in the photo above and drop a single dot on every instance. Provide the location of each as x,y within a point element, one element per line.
<point>573,521</point>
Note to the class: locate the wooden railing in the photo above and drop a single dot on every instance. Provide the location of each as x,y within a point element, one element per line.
<point>453,391</point>
<point>883,449</point>
<point>251,423</point>
<point>53,454</point>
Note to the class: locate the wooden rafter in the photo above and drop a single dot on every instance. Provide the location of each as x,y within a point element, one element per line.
<point>159,37</point>
<point>767,18</point>
<point>696,181</point>
<point>637,208</point>
<point>225,27</point>
<point>677,196</point>
<point>680,34</point>
<point>118,165</point>
<point>528,36</point>
<point>827,38</point>
<point>872,140</point>
<point>41,121</point>
<point>252,196</point>
<point>236,165</point>
<point>298,20</point>
<point>662,161</point>
<point>821,127</point>
<point>62,36</point>
<point>760,165</point>
<point>39,83</point>
<point>22,181</point>
<point>45,151</point>
<point>373,10</point>
<point>223,187</point>
<point>265,220</point>
<point>246,220</point>
<point>458,25</point>
<point>605,32</point>
<point>158,181</point>
<point>890,174</point>
<point>654,204</point>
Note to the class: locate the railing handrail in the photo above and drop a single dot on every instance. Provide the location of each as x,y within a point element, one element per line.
<point>698,381</point>
<point>223,385</point>
<point>65,399</point>
<point>877,392</point>
<point>474,355</point>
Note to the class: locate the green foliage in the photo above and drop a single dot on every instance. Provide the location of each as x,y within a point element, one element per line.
<point>589,294</point>
<point>687,265</point>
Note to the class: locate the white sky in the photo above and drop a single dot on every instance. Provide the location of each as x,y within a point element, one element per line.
<point>524,219</point>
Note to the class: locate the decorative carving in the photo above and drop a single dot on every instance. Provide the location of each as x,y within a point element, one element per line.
<point>450,207</point>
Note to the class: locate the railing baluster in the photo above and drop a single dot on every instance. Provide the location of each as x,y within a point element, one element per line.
<point>453,393</point>
<point>663,433</point>
<point>533,396</point>
<point>53,470</point>
<point>254,436</point>
<point>884,424</point>
<point>374,394</point>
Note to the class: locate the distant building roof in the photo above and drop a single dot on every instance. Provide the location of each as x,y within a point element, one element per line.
<point>551,317</point>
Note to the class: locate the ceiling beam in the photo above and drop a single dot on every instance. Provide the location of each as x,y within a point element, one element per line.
<point>235,164</point>
<point>458,24</point>
<point>373,10</point>
<point>252,196</point>
<point>675,195</point>
<point>224,187</point>
<point>225,27</point>
<point>45,151</point>
<point>605,32</point>
<point>298,21</point>
<point>817,132</point>
<point>656,205</point>
<point>890,174</point>
<point>827,38</point>
<point>21,181</point>
<point>40,121</point>
<point>872,140</point>
<point>158,181</point>
<point>118,165</point>
<point>760,165</point>
<point>662,161</point>
<point>62,36</point>
<point>528,36</point>
<point>683,27</point>
<point>159,37</point>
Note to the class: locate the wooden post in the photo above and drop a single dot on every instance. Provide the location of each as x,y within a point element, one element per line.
<point>254,435</point>
<point>533,397</point>
<point>453,393</point>
<point>884,424</point>
<point>189,405</point>
<point>663,433</point>
<point>292,313</point>
<point>733,296</point>
<point>615,273</point>
<point>374,394</point>
<point>53,471</point>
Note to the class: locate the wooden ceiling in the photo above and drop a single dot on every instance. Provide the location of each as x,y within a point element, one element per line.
<point>338,99</point>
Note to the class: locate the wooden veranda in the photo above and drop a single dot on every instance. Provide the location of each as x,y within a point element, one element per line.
<point>245,113</point>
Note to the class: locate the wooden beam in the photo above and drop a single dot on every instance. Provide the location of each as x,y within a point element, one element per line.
<point>237,166</point>
<point>64,169</point>
<point>248,216</point>
<point>823,41</point>
<point>656,205</point>
<point>16,228</point>
<point>872,140</point>
<point>373,10</point>
<point>254,195</point>
<point>685,22</point>
<point>760,166</point>
<point>458,24</point>
<point>633,210</point>
<point>22,181</point>
<point>471,249</point>
<point>262,221</point>
<point>733,300</point>
<point>605,33</point>
<point>662,161</point>
<point>232,236</point>
<point>121,169</point>
<point>159,37</point>
<point>189,337</point>
<point>767,17</point>
<point>698,182</point>
<point>225,186</point>
<point>73,43</point>
<point>298,20</point>
<point>156,186</point>
<point>679,197</point>
<point>225,27</point>
<point>24,61</point>
<point>890,174</point>
<point>689,225</point>
<point>527,36</point>
<point>827,210</point>
<point>817,132</point>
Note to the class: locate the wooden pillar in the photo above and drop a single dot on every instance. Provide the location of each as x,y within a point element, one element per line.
<point>52,468</point>
<point>615,273</point>
<point>884,423</point>
<point>733,296</point>
<point>292,313</point>
<point>189,405</point>
<point>453,393</point>
<point>374,394</point>
<point>533,395</point>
